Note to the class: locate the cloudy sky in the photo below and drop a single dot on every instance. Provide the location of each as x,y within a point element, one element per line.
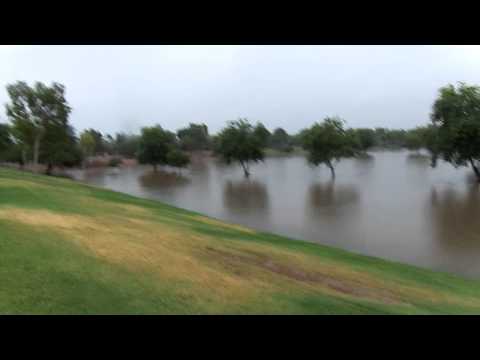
<point>122,88</point>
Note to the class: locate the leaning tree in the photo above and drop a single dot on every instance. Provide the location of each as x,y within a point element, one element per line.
<point>328,142</point>
<point>5,138</point>
<point>239,142</point>
<point>456,120</point>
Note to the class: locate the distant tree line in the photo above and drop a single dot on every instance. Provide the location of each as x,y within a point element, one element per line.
<point>39,132</point>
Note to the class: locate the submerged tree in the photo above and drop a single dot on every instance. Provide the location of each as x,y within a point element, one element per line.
<point>365,138</point>
<point>33,110</point>
<point>390,138</point>
<point>195,137</point>
<point>239,142</point>
<point>126,145</point>
<point>432,143</point>
<point>456,118</point>
<point>154,145</point>
<point>328,142</point>
<point>280,140</point>
<point>177,158</point>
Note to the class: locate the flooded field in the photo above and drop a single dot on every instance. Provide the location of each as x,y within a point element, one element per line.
<point>392,205</point>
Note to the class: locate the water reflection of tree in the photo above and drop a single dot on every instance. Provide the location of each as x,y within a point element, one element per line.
<point>199,162</point>
<point>245,195</point>
<point>97,176</point>
<point>454,218</point>
<point>331,198</point>
<point>163,179</point>
<point>419,160</point>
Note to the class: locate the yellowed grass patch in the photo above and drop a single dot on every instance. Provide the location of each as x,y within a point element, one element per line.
<point>221,224</point>
<point>43,218</point>
<point>231,272</point>
<point>142,245</point>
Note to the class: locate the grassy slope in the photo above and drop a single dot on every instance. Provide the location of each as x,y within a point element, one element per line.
<point>76,249</point>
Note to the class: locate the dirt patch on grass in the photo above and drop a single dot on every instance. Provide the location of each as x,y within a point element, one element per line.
<point>337,284</point>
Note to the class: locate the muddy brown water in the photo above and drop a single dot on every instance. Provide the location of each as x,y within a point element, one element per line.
<point>393,205</point>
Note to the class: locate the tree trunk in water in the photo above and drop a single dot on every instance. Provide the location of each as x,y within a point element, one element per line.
<point>155,167</point>
<point>245,169</point>
<point>36,150</point>
<point>332,170</point>
<point>475,169</point>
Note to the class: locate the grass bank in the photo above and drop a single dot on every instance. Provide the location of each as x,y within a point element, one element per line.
<point>69,248</point>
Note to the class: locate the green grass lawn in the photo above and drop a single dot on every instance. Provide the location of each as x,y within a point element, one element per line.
<point>69,248</point>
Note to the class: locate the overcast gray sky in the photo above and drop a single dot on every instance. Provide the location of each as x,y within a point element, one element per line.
<point>122,88</point>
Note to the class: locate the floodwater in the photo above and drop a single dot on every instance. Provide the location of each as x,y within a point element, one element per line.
<point>393,205</point>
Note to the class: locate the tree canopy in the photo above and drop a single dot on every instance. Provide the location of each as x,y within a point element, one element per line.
<point>39,117</point>
<point>415,139</point>
<point>262,133</point>
<point>126,145</point>
<point>280,140</point>
<point>60,147</point>
<point>100,146</point>
<point>87,143</point>
<point>177,158</point>
<point>327,142</point>
<point>160,147</point>
<point>366,138</point>
<point>456,115</point>
<point>194,137</point>
<point>240,143</point>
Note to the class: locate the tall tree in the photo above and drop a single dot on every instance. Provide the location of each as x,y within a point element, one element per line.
<point>327,142</point>
<point>238,142</point>
<point>154,145</point>
<point>456,115</point>
<point>34,109</point>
